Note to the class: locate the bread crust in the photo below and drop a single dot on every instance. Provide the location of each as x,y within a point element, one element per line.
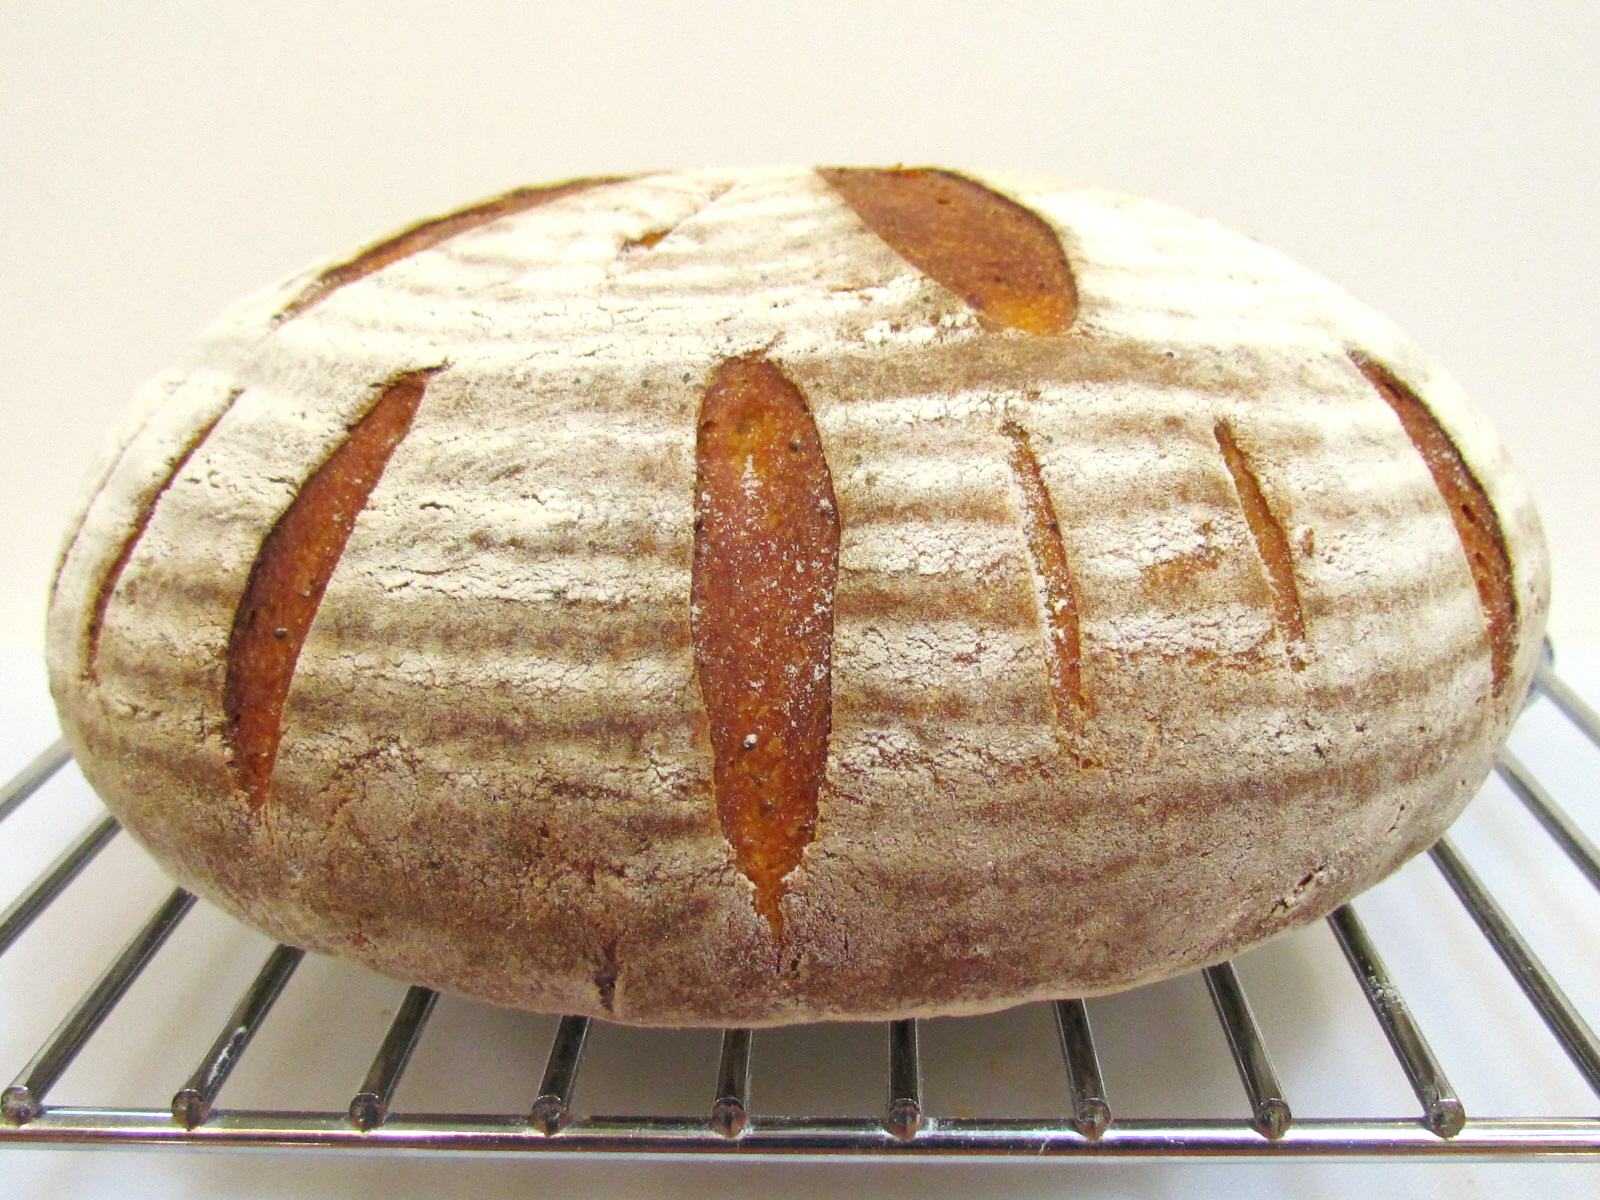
<point>495,773</point>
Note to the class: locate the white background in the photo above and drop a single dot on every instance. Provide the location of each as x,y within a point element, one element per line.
<point>1440,161</point>
<point>157,160</point>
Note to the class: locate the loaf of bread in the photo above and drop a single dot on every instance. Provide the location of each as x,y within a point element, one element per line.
<point>748,597</point>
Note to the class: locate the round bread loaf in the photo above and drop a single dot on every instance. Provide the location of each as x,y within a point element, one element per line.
<point>746,597</point>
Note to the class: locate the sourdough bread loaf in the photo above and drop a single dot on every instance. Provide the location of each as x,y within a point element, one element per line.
<point>746,597</point>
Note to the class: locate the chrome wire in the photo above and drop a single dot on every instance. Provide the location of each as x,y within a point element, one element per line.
<point>1568,701</point>
<point>903,1116</point>
<point>191,1104</point>
<point>730,1111</point>
<point>1561,827</point>
<point>33,776</point>
<point>1571,1030</point>
<point>1269,1111</point>
<point>23,1100</point>
<point>369,1107</point>
<point>1441,1107</point>
<point>552,1111</point>
<point>1398,1138</point>
<point>1091,1111</point>
<point>54,880</point>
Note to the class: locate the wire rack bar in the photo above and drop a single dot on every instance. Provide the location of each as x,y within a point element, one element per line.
<point>22,1101</point>
<point>369,1108</point>
<point>1568,701</point>
<point>730,1111</point>
<point>903,1116</point>
<point>53,881</point>
<point>552,1111</point>
<point>192,1102</point>
<point>1572,840</point>
<point>1574,1034</point>
<point>1091,1112</point>
<point>1270,1114</point>
<point>1441,1107</point>
<point>33,776</point>
<point>787,1136</point>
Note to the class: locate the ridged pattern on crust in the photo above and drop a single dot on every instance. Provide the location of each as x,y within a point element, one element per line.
<point>495,773</point>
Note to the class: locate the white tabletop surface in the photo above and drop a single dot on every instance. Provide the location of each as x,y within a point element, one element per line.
<point>1437,159</point>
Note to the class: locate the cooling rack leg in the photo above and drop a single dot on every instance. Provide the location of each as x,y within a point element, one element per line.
<point>552,1111</point>
<point>1574,1034</point>
<point>1091,1114</point>
<point>730,1112</point>
<point>1441,1108</point>
<point>191,1105</point>
<point>1270,1111</point>
<point>369,1108</point>
<point>23,1100</point>
<point>903,1117</point>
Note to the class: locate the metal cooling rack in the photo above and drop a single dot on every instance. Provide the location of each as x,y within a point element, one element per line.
<point>1438,1126</point>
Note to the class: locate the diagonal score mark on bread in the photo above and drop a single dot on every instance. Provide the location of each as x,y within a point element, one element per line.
<point>425,235</point>
<point>290,574</point>
<point>1053,575</point>
<point>766,562</point>
<point>108,583</point>
<point>637,247</point>
<point>1477,524</point>
<point>1001,258</point>
<point>99,486</point>
<point>1271,543</point>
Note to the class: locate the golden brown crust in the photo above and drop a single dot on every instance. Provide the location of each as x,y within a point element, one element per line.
<point>766,559</point>
<point>988,249</point>
<point>1477,525</point>
<point>288,577</point>
<point>1148,634</point>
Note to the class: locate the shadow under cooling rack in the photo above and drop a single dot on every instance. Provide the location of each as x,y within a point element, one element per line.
<point>956,1087</point>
